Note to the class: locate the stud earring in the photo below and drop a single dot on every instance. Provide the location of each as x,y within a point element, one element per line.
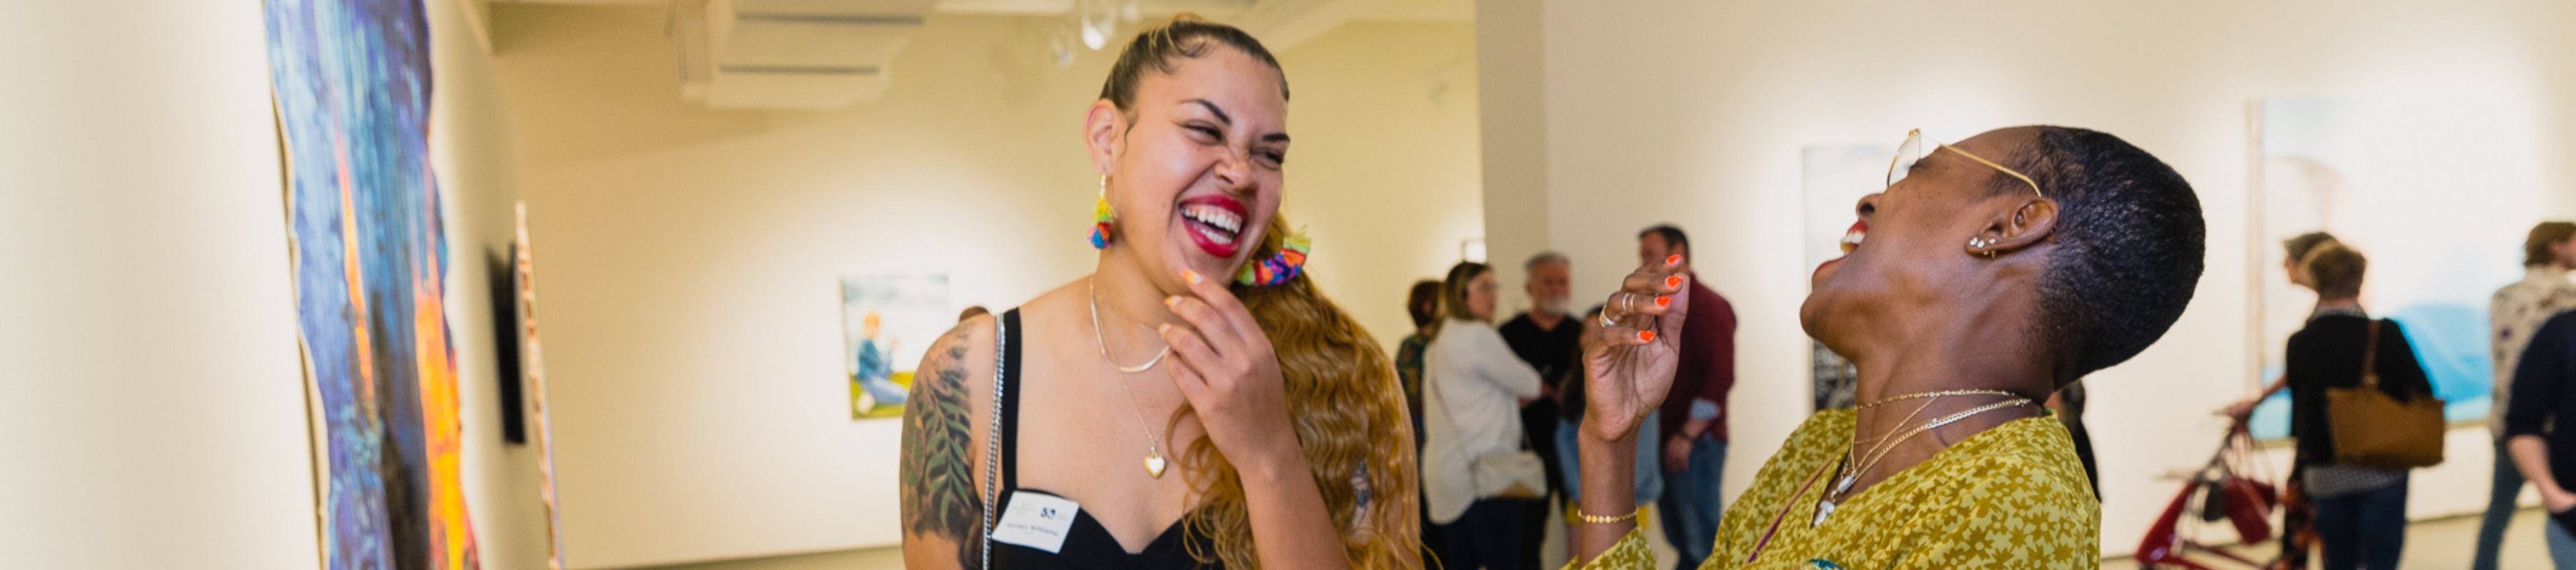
<point>1101,215</point>
<point>1290,262</point>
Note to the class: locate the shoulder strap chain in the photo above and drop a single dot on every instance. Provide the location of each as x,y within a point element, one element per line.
<point>993,441</point>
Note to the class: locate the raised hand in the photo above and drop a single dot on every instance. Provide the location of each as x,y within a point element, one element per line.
<point>1628,367</point>
<point>1228,372</point>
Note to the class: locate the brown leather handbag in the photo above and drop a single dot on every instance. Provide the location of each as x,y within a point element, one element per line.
<point>2373,429</point>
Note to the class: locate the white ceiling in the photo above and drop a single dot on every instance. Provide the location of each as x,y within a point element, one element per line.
<point>822,54</point>
<point>1405,10</point>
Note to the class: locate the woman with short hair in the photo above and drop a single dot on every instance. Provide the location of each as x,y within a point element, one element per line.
<point>1987,275</point>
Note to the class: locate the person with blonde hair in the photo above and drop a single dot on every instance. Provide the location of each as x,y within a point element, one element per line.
<point>1194,401</point>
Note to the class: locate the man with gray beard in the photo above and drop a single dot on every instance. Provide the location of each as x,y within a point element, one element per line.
<point>1551,341</point>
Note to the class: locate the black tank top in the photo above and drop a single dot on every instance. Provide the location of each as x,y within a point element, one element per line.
<point>1087,544</point>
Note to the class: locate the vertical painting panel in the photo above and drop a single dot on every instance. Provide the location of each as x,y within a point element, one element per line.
<point>2436,193</point>
<point>889,321</point>
<point>351,80</point>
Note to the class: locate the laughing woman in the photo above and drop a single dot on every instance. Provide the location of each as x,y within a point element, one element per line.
<point>1996,271</point>
<point>1197,344</point>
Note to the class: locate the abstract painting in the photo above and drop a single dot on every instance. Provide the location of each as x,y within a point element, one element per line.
<point>888,322</point>
<point>1834,179</point>
<point>351,81</point>
<point>2435,193</point>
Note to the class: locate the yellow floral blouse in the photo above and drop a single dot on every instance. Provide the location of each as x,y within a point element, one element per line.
<point>2012,497</point>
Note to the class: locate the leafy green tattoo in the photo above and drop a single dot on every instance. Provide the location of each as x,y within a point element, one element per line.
<point>939,495</point>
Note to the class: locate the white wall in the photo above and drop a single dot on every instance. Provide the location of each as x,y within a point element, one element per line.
<point>1694,112</point>
<point>155,392</point>
<point>690,257</point>
<point>152,412</point>
<point>474,147</point>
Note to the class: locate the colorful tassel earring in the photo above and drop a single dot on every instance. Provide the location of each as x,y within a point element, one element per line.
<point>1101,215</point>
<point>1290,263</point>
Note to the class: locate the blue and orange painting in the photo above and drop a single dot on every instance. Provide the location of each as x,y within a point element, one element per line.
<point>352,88</point>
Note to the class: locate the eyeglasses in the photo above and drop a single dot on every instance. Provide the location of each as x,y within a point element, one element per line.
<point>1914,150</point>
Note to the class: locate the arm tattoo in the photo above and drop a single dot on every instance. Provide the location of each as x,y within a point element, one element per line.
<point>939,496</point>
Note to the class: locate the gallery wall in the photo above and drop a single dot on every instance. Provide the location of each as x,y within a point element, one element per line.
<point>155,390</point>
<point>690,258</point>
<point>1633,139</point>
<point>474,145</point>
<point>152,392</point>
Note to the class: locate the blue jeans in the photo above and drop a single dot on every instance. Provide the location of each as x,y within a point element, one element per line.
<point>1650,460</point>
<point>2364,530</point>
<point>1692,501</point>
<point>2501,503</point>
<point>2562,547</point>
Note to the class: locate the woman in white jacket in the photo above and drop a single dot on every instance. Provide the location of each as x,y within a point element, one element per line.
<point>1473,390</point>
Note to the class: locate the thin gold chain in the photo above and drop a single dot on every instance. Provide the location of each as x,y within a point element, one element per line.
<point>1894,399</point>
<point>1101,336</point>
<point>1153,442</point>
<point>1885,448</point>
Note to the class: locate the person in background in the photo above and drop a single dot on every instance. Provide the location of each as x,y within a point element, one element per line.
<point>1473,391</point>
<point>2298,518</point>
<point>1552,343</point>
<point>2544,389</point>
<point>2068,403</point>
<point>1649,478</point>
<point>1423,304</point>
<point>971,312</point>
<point>2297,249</point>
<point>1694,415</point>
<point>2516,312</point>
<point>2360,511</point>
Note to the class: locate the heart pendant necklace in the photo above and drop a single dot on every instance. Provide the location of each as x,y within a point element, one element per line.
<point>1154,462</point>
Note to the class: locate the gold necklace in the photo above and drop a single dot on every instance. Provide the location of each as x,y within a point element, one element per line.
<point>1153,443</point>
<point>1936,395</point>
<point>1825,504</point>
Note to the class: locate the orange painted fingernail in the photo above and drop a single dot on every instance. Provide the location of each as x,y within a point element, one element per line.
<point>1673,281</point>
<point>1674,260</point>
<point>1190,276</point>
<point>1172,301</point>
<point>1163,328</point>
<point>1646,336</point>
<point>1664,301</point>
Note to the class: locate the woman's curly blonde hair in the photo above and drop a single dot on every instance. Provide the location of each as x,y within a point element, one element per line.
<point>1350,419</point>
<point>1343,395</point>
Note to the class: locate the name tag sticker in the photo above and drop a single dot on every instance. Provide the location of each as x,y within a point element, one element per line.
<point>1036,521</point>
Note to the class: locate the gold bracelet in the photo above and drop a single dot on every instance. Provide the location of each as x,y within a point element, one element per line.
<point>1598,519</point>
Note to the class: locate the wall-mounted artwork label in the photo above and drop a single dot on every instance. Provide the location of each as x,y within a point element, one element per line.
<point>888,321</point>
<point>351,81</point>
<point>2436,193</point>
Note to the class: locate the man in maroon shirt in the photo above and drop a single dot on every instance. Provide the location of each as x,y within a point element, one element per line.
<point>1694,414</point>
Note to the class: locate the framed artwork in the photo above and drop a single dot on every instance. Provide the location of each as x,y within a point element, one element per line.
<point>1834,179</point>
<point>2435,193</point>
<point>888,322</point>
<point>532,379</point>
<point>351,84</point>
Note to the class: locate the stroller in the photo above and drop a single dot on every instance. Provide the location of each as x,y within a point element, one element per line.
<point>2234,486</point>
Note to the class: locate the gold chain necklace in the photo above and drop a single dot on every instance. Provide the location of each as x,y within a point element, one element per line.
<point>1894,399</point>
<point>1825,504</point>
<point>1153,443</point>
